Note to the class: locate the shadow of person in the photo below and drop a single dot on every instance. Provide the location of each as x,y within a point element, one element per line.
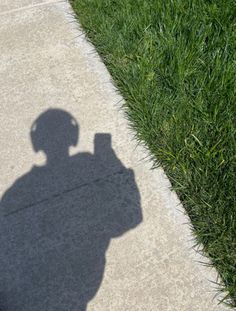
<point>57,220</point>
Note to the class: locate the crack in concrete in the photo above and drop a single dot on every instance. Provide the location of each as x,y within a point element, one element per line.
<point>60,194</point>
<point>28,7</point>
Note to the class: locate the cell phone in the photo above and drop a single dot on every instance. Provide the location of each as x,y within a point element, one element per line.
<point>102,143</point>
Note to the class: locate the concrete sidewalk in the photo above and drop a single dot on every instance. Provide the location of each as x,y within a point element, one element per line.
<point>140,256</point>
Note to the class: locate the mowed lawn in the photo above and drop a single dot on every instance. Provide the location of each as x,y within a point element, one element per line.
<point>174,63</point>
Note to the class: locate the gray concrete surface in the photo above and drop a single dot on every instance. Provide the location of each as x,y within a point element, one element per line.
<point>84,225</point>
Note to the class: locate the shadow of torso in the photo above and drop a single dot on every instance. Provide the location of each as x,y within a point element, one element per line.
<point>56,224</point>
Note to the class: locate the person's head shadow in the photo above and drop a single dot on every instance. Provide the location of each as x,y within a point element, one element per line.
<point>57,220</point>
<point>54,132</point>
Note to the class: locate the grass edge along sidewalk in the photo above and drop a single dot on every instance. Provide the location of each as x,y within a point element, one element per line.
<point>173,62</point>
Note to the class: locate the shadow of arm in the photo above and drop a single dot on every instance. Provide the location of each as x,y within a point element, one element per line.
<point>128,214</point>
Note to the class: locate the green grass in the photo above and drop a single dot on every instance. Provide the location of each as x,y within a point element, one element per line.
<point>173,61</point>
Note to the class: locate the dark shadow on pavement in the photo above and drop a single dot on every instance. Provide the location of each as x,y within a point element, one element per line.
<point>56,221</point>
